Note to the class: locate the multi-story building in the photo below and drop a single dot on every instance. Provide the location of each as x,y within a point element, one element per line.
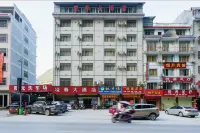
<point>169,59</point>
<point>98,43</point>
<point>18,43</point>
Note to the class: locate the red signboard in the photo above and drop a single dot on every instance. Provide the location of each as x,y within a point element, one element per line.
<point>177,79</point>
<point>154,93</point>
<point>31,88</point>
<point>174,65</point>
<point>189,93</point>
<point>75,90</point>
<point>1,66</point>
<point>133,90</point>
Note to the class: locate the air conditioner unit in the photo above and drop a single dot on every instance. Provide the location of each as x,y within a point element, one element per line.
<point>119,67</point>
<point>119,23</point>
<point>125,23</point>
<point>79,38</point>
<point>80,23</point>
<point>79,67</point>
<point>79,53</point>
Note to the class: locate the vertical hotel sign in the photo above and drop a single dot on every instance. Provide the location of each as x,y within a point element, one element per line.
<point>147,71</point>
<point>1,66</point>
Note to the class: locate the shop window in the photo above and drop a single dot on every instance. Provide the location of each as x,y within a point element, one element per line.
<point>109,66</point>
<point>109,52</point>
<point>151,58</point>
<point>109,82</point>
<point>65,66</point>
<point>131,82</point>
<point>87,82</point>
<point>109,23</point>
<point>87,67</point>
<point>65,81</point>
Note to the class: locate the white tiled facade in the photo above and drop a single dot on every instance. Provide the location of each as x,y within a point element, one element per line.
<point>20,44</point>
<point>103,48</point>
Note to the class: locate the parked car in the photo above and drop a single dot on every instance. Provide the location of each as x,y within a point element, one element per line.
<point>62,104</point>
<point>149,111</point>
<point>113,109</point>
<point>14,107</point>
<point>44,107</point>
<point>182,111</point>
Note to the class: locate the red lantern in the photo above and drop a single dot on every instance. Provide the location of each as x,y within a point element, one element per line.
<point>87,8</point>
<point>124,8</point>
<point>111,7</point>
<point>99,8</point>
<point>76,8</point>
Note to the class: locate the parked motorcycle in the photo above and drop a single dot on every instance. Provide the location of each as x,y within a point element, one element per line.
<point>94,106</point>
<point>126,117</point>
<point>81,106</point>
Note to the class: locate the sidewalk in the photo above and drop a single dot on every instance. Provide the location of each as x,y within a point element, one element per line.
<point>4,113</point>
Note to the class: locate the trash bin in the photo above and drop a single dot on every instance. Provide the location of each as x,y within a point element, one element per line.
<point>21,111</point>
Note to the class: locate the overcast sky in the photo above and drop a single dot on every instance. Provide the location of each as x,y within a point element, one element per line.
<point>39,14</point>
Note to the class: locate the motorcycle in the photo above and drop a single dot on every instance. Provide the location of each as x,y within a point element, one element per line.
<point>126,117</point>
<point>94,106</point>
<point>81,106</point>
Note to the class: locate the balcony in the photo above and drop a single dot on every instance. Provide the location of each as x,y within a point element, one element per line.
<point>186,37</point>
<point>152,50</point>
<point>152,37</point>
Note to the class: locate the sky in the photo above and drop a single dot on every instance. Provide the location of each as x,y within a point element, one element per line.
<point>39,13</point>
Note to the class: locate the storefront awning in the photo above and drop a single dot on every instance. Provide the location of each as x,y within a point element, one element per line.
<point>198,83</point>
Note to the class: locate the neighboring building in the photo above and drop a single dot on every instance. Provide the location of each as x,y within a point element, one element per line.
<point>98,44</point>
<point>46,78</point>
<point>18,43</point>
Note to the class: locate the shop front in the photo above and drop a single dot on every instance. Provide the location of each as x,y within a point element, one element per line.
<point>153,96</point>
<point>110,95</point>
<point>133,94</point>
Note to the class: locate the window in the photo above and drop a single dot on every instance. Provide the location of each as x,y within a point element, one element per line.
<point>26,51</point>
<point>109,82</point>
<point>168,58</point>
<point>146,106</point>
<point>109,38</point>
<point>109,52</point>
<point>184,86</point>
<point>131,23</point>
<point>168,72</point>
<point>184,72</point>
<point>138,107</point>
<point>3,38</point>
<point>198,69</point>
<point>131,82</point>
<point>65,81</point>
<point>17,16</point>
<point>4,82</point>
<point>109,23</point>
<point>152,72</point>
<point>3,50</point>
<point>87,38</point>
<point>87,52</point>
<point>25,74</point>
<point>131,38</point>
<point>26,28</point>
<point>152,86</point>
<point>151,58</point>
<point>25,62</point>
<point>151,46</point>
<point>199,36</point>
<point>184,58</point>
<point>159,33</point>
<point>131,66</point>
<point>149,32</point>
<point>183,46</point>
<point>65,52</point>
<point>3,23</point>
<point>65,66</point>
<point>87,67</point>
<point>180,32</point>
<point>25,39</point>
<point>198,54</point>
<point>4,66</point>
<point>65,37</point>
<point>87,23</point>
<point>131,52</point>
<point>87,82</point>
<point>109,66</point>
<point>168,86</point>
<point>165,46</point>
<point>65,23</point>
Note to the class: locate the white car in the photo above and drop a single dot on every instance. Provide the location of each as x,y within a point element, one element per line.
<point>182,111</point>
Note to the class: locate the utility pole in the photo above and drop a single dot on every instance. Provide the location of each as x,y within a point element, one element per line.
<point>20,95</point>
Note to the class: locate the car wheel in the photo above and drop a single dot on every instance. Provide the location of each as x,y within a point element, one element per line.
<point>192,116</point>
<point>180,114</point>
<point>152,117</point>
<point>47,112</point>
<point>129,121</point>
<point>28,111</point>
<point>166,112</point>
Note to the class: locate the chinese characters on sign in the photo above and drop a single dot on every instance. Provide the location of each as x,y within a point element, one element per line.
<point>110,96</point>
<point>31,88</point>
<point>177,79</point>
<point>153,92</point>
<point>174,65</point>
<point>189,93</point>
<point>110,90</point>
<point>1,66</point>
<point>133,90</point>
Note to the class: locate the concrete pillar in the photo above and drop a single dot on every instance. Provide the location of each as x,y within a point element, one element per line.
<point>98,101</point>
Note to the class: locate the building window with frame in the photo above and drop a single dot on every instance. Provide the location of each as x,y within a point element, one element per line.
<point>87,66</point>
<point>65,66</point>
<point>4,82</point>
<point>26,39</point>
<point>3,50</point>
<point>185,86</point>
<point>184,46</point>
<point>109,23</point>
<point>4,67</point>
<point>26,28</point>
<point>109,66</point>
<point>168,72</point>
<point>151,46</point>
<point>131,23</point>
<point>149,32</point>
<point>168,58</point>
<point>25,63</point>
<point>109,81</point>
<point>87,52</point>
<point>3,23</point>
<point>152,85</point>
<point>65,23</point>
<point>109,52</point>
<point>131,81</point>
<point>87,81</point>
<point>131,66</point>
<point>184,58</point>
<point>199,69</point>
<point>65,37</point>
<point>131,52</point>
<point>26,74</point>
<point>184,72</point>
<point>151,58</point>
<point>26,51</point>
<point>165,46</point>
<point>153,72</point>
<point>131,38</point>
<point>3,38</point>
<point>87,38</point>
<point>65,81</point>
<point>65,52</point>
<point>87,23</point>
<point>180,32</point>
<point>198,54</point>
<point>109,38</point>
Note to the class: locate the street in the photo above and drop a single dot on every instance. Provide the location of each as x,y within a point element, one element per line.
<point>98,121</point>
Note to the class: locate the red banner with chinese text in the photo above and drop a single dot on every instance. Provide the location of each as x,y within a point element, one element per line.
<point>174,65</point>
<point>154,93</point>
<point>1,67</point>
<point>75,90</point>
<point>181,93</point>
<point>177,79</point>
<point>31,88</point>
<point>132,90</point>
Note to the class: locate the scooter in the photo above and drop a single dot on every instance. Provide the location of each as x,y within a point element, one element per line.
<point>124,118</point>
<point>81,106</point>
<point>94,106</point>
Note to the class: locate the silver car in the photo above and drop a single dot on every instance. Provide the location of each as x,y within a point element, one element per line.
<point>182,111</point>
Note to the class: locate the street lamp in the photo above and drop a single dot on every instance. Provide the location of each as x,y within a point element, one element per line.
<point>20,95</point>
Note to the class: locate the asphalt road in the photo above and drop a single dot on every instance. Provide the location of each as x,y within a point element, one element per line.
<point>89,121</point>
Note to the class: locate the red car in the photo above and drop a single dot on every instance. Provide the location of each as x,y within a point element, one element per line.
<point>113,109</point>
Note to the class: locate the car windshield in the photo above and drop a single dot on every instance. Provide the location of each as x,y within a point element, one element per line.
<point>188,107</point>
